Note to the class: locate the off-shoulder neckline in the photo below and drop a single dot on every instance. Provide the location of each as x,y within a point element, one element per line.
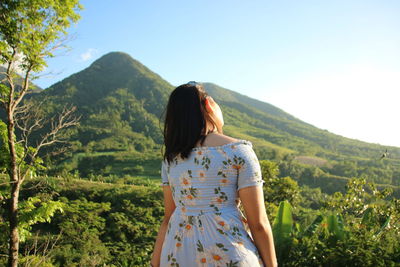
<point>240,141</point>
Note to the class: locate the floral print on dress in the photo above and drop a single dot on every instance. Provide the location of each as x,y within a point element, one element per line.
<point>207,227</point>
<point>202,159</point>
<point>201,174</point>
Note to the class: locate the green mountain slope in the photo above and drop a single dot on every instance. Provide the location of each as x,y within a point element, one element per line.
<point>269,123</point>
<point>120,101</point>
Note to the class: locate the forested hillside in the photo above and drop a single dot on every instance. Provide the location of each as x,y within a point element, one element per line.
<point>122,102</point>
<point>69,221</point>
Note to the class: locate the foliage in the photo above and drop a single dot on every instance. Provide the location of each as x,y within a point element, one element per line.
<point>282,230</point>
<point>81,225</point>
<point>29,34</point>
<point>344,234</point>
<point>277,189</point>
<point>5,155</point>
<point>33,211</point>
<point>29,28</point>
<point>116,225</point>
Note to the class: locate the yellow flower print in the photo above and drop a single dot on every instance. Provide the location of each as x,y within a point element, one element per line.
<point>178,241</point>
<point>201,174</point>
<point>188,230</point>
<point>236,166</point>
<point>218,200</point>
<point>217,256</point>
<point>222,223</point>
<point>184,180</point>
<point>190,200</point>
<point>224,181</point>
<point>202,259</point>
<point>188,196</point>
<point>222,152</point>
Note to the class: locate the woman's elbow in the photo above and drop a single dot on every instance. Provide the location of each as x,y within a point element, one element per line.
<point>261,226</point>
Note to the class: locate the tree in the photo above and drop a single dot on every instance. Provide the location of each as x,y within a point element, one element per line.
<point>30,32</point>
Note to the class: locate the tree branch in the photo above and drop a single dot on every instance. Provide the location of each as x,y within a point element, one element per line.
<point>10,79</point>
<point>63,121</point>
<point>23,90</point>
<point>9,182</point>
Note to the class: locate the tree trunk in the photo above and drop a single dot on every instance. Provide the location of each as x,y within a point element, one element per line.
<point>15,187</point>
<point>14,235</point>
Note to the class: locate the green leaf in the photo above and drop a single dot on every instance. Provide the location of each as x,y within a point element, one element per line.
<point>367,217</point>
<point>282,229</point>
<point>283,223</point>
<point>313,226</point>
<point>384,226</point>
<point>335,226</point>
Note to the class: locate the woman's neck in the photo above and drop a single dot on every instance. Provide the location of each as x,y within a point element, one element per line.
<point>212,131</point>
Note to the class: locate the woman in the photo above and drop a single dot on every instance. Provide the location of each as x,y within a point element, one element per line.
<point>205,175</point>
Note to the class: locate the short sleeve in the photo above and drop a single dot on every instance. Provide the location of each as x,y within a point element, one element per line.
<point>164,176</point>
<point>249,173</point>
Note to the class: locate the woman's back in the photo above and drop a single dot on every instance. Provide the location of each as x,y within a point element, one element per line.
<point>207,228</point>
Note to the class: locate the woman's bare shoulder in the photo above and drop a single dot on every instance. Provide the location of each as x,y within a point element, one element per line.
<point>217,139</point>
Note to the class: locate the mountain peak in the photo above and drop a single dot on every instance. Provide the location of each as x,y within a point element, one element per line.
<point>118,61</point>
<point>109,73</point>
<point>113,70</point>
<point>116,56</point>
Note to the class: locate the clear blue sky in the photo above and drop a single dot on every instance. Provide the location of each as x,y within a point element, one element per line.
<point>334,64</point>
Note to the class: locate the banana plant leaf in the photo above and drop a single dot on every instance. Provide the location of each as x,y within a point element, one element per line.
<point>367,217</point>
<point>335,225</point>
<point>283,223</point>
<point>282,230</point>
<point>383,227</point>
<point>310,230</point>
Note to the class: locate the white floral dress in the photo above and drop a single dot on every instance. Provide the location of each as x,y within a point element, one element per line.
<point>207,228</point>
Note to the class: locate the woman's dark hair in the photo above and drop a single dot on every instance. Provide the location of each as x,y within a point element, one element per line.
<point>185,120</point>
